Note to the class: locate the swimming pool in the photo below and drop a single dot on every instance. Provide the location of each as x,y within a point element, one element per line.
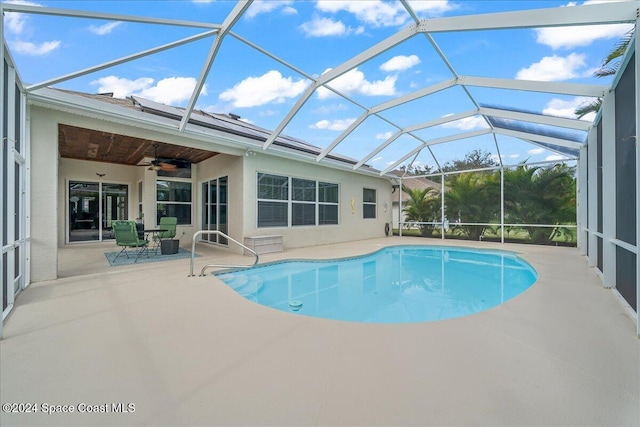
<point>396,284</point>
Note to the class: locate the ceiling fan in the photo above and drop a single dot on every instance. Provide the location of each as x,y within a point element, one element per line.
<point>167,165</point>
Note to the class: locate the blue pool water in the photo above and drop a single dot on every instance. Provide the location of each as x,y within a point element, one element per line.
<point>394,285</point>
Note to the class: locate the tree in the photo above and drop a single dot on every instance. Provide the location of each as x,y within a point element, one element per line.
<point>609,67</point>
<point>475,159</point>
<point>535,195</point>
<point>470,198</point>
<point>422,206</point>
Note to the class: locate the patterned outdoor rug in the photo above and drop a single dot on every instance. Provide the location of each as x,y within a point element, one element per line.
<point>123,260</point>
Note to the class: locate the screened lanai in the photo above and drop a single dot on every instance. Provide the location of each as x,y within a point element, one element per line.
<point>386,89</point>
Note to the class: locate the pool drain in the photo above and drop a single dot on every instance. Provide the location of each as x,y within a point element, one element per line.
<point>295,304</point>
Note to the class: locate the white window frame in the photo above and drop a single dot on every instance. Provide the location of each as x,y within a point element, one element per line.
<point>185,180</point>
<point>289,202</point>
<point>374,203</point>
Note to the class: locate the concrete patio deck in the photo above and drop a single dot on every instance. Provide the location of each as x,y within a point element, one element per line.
<point>190,351</point>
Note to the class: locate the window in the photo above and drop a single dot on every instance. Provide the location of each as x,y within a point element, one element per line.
<point>173,198</point>
<point>368,203</point>
<point>273,197</point>
<point>303,208</point>
<point>327,203</point>
<point>285,201</point>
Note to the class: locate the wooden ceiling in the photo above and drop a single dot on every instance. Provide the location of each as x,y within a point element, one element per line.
<point>86,144</point>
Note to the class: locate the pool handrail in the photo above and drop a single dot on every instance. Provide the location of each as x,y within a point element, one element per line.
<point>219,233</point>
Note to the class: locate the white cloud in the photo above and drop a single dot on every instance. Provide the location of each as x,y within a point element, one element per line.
<point>554,68</point>
<point>468,123</point>
<point>104,29</point>
<point>331,108</point>
<point>431,7</point>
<point>270,87</point>
<point>565,108</point>
<point>338,124</point>
<point>535,151</point>
<point>325,27</point>
<point>376,159</point>
<point>354,81</point>
<point>170,91</point>
<point>260,6</point>
<point>28,48</point>
<point>400,63</point>
<point>374,12</point>
<point>385,135</point>
<point>570,37</point>
<point>553,157</point>
<point>14,21</point>
<point>377,13</point>
<point>288,10</point>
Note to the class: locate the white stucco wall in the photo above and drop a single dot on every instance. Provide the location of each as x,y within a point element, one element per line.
<point>44,196</point>
<point>220,166</point>
<point>351,225</point>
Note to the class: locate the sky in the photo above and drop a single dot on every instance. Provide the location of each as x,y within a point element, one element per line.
<point>309,38</point>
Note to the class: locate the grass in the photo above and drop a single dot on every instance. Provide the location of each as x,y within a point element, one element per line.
<point>511,235</point>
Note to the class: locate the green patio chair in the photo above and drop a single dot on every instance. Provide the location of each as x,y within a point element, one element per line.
<point>127,237</point>
<point>167,223</point>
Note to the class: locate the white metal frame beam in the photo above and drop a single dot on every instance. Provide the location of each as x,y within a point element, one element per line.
<point>38,10</point>
<point>119,61</point>
<point>408,130</point>
<point>576,89</point>
<point>325,78</point>
<point>450,138</point>
<point>385,106</point>
<point>605,13</point>
<point>228,23</point>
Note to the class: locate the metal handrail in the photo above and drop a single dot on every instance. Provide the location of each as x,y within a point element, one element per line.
<point>219,233</point>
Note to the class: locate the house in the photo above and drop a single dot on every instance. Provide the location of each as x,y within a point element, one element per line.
<point>122,159</point>
<point>410,182</point>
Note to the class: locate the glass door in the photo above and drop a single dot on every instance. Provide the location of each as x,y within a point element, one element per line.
<point>114,207</point>
<point>214,209</point>
<point>92,208</point>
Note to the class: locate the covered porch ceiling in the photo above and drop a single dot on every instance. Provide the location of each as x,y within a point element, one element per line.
<point>561,135</point>
<point>93,145</point>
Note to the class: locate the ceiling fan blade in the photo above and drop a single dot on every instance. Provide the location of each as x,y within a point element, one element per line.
<point>167,166</point>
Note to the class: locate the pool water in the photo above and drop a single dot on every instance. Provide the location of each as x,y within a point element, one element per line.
<point>394,285</point>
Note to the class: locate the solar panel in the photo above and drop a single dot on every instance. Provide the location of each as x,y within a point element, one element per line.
<point>158,108</point>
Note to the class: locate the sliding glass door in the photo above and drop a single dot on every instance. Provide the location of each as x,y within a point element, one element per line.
<point>92,208</point>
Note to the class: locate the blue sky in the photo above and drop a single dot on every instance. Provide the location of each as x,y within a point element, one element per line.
<point>313,37</point>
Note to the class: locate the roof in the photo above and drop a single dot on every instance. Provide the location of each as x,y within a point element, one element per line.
<point>414,182</point>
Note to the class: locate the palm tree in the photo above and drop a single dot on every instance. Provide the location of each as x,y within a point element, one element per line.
<point>422,206</point>
<point>471,198</point>
<point>535,195</point>
<point>608,68</point>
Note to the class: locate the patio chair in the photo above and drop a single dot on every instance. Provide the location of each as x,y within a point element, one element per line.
<point>167,223</point>
<point>127,237</point>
